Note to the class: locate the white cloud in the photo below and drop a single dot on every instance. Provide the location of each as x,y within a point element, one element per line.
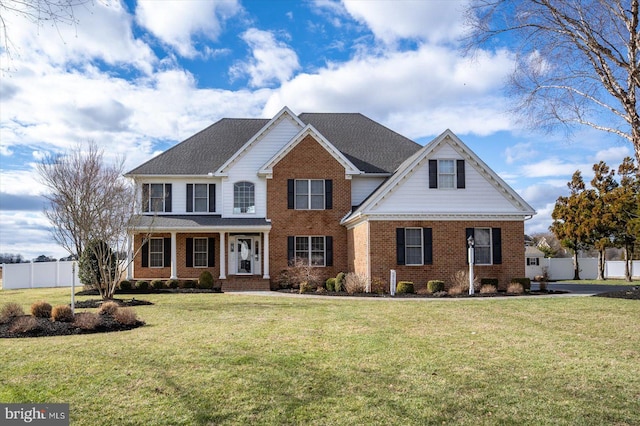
<point>520,151</point>
<point>612,156</point>
<point>272,61</point>
<point>177,23</point>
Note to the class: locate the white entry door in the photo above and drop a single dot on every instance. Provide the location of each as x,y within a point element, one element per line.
<point>244,253</point>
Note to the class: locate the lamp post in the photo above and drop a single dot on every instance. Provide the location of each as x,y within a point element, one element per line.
<point>471,256</point>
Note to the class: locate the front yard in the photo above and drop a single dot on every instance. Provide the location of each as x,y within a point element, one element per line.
<point>205,359</point>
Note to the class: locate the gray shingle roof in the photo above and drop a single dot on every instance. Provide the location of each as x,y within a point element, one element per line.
<point>196,221</point>
<point>370,146</point>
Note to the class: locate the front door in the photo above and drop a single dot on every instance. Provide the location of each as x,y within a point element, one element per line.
<point>244,255</point>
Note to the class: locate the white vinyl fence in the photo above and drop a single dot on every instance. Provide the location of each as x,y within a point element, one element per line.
<point>562,268</point>
<point>38,274</point>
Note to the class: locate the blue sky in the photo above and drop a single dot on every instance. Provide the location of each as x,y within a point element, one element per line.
<point>138,77</point>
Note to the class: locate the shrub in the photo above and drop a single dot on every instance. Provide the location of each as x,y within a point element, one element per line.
<point>354,283</point>
<point>142,285</point>
<point>330,284</point>
<point>23,325</point>
<point>457,290</point>
<point>321,290</point>
<point>205,280</point>
<point>173,283</point>
<point>300,271</point>
<point>340,281</point>
<point>515,288</point>
<point>108,308</point>
<point>405,287</point>
<point>379,285</point>
<point>157,284</point>
<point>526,282</point>
<point>126,316</point>
<point>489,281</point>
<point>187,284</point>
<point>62,313</point>
<point>97,256</point>
<point>434,286</point>
<point>488,289</point>
<point>306,287</point>
<point>9,311</point>
<point>87,320</point>
<point>460,282</point>
<point>41,309</point>
<point>125,285</point>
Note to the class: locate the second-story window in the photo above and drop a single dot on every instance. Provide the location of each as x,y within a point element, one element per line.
<point>201,197</point>
<point>310,194</point>
<point>244,197</point>
<point>156,197</point>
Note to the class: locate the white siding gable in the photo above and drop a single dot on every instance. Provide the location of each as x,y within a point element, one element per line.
<point>362,187</point>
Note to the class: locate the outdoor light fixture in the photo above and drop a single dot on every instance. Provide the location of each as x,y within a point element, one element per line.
<point>471,253</point>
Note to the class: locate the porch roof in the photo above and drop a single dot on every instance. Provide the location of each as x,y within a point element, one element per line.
<point>198,223</point>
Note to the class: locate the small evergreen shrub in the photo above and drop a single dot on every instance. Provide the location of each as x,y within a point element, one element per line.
<point>405,287</point>
<point>205,280</point>
<point>62,313</point>
<point>125,285</point>
<point>379,285</point>
<point>142,285</point>
<point>434,286</point>
<point>87,320</point>
<point>488,289</point>
<point>354,283</point>
<point>489,281</point>
<point>126,316</point>
<point>23,325</point>
<point>41,309</point>
<point>188,284</point>
<point>321,290</point>
<point>157,284</point>
<point>526,282</point>
<point>340,281</point>
<point>108,308</point>
<point>173,284</point>
<point>515,288</point>
<point>306,287</point>
<point>330,284</point>
<point>10,311</point>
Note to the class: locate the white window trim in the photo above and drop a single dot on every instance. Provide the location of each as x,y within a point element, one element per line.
<point>295,194</point>
<point>193,200</point>
<point>150,202</point>
<point>406,246</point>
<point>206,252</point>
<point>490,246</point>
<point>152,252</point>
<point>440,174</point>
<point>250,209</point>
<point>310,251</point>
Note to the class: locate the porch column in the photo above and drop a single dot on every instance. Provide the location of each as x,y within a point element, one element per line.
<point>265,256</point>
<point>130,257</point>
<point>174,257</point>
<point>223,257</point>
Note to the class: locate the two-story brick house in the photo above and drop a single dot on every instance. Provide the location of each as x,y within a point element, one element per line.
<point>244,197</point>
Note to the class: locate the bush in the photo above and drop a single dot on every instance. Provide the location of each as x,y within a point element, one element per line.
<point>330,284</point>
<point>87,320</point>
<point>126,316</point>
<point>460,282</point>
<point>340,281</point>
<point>434,286</point>
<point>23,325</point>
<point>125,285</point>
<point>62,313</point>
<point>205,280</point>
<point>9,311</point>
<point>41,309</point>
<point>300,271</point>
<point>306,287</point>
<point>379,285</point>
<point>96,256</point>
<point>354,283</point>
<point>187,284</point>
<point>515,288</point>
<point>489,281</point>
<point>526,282</point>
<point>173,284</point>
<point>108,308</point>
<point>157,284</point>
<point>488,289</point>
<point>405,287</point>
<point>142,285</point>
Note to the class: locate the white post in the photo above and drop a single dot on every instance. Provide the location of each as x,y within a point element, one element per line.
<point>174,257</point>
<point>130,257</point>
<point>73,287</point>
<point>31,274</point>
<point>471,256</point>
<point>392,282</point>
<point>223,257</point>
<point>265,256</point>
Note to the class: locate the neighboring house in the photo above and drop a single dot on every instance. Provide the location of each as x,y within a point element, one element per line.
<point>244,197</point>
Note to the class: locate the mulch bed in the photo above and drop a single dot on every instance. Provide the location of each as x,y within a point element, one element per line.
<point>95,303</point>
<point>420,295</point>
<point>632,294</point>
<point>45,327</point>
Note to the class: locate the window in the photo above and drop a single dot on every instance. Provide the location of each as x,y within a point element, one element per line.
<point>310,194</point>
<point>482,246</point>
<point>311,250</point>
<point>201,197</point>
<point>533,261</point>
<point>447,174</point>
<point>200,254</point>
<point>156,252</point>
<point>156,197</point>
<point>244,198</point>
<point>413,246</point>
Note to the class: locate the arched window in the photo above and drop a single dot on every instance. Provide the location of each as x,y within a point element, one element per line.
<point>244,198</point>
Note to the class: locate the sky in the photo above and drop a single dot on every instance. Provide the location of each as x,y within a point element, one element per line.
<point>137,77</point>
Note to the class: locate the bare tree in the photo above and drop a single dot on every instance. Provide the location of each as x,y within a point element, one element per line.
<point>576,62</point>
<point>90,201</point>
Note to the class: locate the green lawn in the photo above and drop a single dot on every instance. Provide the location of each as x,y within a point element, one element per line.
<point>237,359</point>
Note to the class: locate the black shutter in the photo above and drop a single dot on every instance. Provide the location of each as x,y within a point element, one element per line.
<point>145,254</point>
<point>400,258</point>
<point>460,174</point>
<point>468,233</point>
<point>211,252</point>
<point>291,193</point>
<point>189,253</point>
<point>212,198</point>
<point>167,197</point>
<point>496,237</point>
<point>328,242</point>
<point>167,252</point>
<point>427,245</point>
<point>328,194</point>
<point>145,197</point>
<point>291,249</point>
<point>189,197</point>
<point>433,173</point>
